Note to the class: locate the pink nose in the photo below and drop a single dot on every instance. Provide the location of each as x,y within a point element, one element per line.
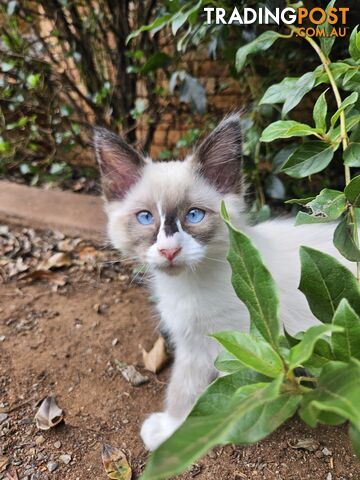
<point>170,253</point>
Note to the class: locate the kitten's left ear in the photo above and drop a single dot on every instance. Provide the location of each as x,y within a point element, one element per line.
<point>120,165</point>
<point>218,158</point>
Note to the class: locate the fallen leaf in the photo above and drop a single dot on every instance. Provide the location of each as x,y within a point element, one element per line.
<point>115,463</point>
<point>56,278</point>
<point>156,359</point>
<point>130,374</point>
<point>58,260</point>
<point>18,267</point>
<point>4,461</point>
<point>306,444</point>
<point>49,414</point>
<point>68,245</point>
<point>88,253</point>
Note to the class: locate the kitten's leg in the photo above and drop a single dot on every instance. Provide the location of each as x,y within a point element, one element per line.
<point>193,370</point>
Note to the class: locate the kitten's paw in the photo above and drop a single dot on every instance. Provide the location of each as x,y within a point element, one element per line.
<point>157,428</point>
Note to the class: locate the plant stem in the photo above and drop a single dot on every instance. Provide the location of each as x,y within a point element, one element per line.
<point>344,138</point>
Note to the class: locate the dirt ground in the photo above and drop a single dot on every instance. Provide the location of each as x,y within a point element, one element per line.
<point>60,334</point>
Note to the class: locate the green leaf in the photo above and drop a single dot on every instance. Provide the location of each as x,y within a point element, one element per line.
<point>321,355</point>
<point>286,129</point>
<point>182,16</point>
<point>309,158</point>
<point>201,432</point>
<point>158,60</point>
<point>259,423</point>
<point>349,75</point>
<point>352,120</point>
<point>337,394</point>
<point>253,283</point>
<point>303,85</point>
<point>346,344</point>
<point>157,23</point>
<point>337,69</point>
<point>33,80</point>
<point>320,112</point>
<point>5,146</point>
<point>227,363</point>
<point>327,41</point>
<point>354,435</point>
<point>300,201</point>
<point>218,394</point>
<point>352,191</point>
<point>324,281</point>
<point>344,240</point>
<point>261,43</point>
<point>325,207</point>
<point>252,352</point>
<point>289,91</point>
<point>278,93</point>
<point>354,45</point>
<point>303,218</point>
<point>350,100</point>
<point>352,153</point>
<point>301,352</point>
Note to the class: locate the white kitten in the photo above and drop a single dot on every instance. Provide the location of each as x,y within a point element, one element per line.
<point>166,215</point>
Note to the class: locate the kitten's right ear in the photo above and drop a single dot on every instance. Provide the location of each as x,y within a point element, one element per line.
<point>120,165</point>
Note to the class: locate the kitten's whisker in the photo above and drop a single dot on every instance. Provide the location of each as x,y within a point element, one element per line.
<point>215,259</point>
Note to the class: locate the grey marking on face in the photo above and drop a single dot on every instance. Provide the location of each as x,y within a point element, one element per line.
<point>170,224</point>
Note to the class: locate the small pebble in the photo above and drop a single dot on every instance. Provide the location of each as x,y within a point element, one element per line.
<point>2,338</point>
<point>329,476</point>
<point>57,444</point>
<point>39,440</point>
<point>65,459</point>
<point>3,417</point>
<point>115,342</point>
<point>326,452</point>
<point>52,466</point>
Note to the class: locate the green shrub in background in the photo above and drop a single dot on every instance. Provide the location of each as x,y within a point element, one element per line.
<point>100,76</point>
<point>260,389</point>
<point>63,67</point>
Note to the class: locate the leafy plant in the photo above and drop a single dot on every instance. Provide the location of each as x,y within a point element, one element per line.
<point>64,66</point>
<point>261,387</point>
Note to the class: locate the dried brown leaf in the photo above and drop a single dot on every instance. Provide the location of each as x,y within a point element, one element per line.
<point>115,463</point>
<point>49,414</point>
<point>4,461</point>
<point>58,260</point>
<point>306,444</point>
<point>130,374</point>
<point>56,278</point>
<point>88,253</point>
<point>68,245</point>
<point>156,359</point>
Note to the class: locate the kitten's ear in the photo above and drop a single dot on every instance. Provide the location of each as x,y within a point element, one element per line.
<point>218,158</point>
<point>120,165</point>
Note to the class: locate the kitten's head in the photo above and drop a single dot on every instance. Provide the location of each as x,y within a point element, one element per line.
<point>166,214</point>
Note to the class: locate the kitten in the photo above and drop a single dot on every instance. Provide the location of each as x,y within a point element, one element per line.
<point>166,214</point>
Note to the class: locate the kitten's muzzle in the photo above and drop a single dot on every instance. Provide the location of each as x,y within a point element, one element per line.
<point>170,253</point>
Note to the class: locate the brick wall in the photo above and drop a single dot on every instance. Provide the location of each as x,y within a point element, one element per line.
<point>224,94</point>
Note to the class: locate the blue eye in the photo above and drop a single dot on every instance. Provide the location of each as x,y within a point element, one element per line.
<point>195,215</point>
<point>145,217</point>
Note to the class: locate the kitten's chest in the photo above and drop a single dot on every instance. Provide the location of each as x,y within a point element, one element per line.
<point>199,304</point>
